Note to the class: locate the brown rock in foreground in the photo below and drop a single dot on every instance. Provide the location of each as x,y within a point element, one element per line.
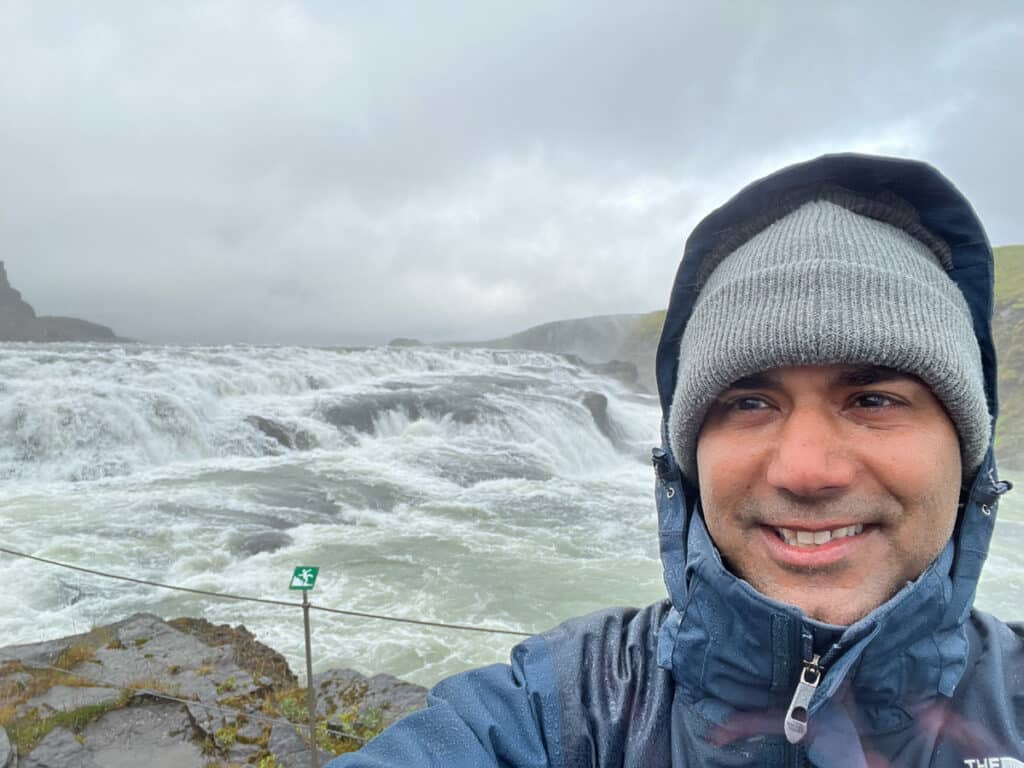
<point>188,692</point>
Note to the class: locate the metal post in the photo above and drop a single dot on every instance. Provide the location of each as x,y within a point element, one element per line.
<point>310,693</point>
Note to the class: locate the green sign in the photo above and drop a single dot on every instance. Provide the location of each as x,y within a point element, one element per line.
<point>304,577</point>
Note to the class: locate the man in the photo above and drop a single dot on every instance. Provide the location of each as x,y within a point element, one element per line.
<point>826,494</point>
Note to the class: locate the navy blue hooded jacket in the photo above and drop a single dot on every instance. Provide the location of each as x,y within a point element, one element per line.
<point>706,677</point>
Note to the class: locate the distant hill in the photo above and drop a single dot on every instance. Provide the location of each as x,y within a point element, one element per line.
<point>604,338</point>
<point>19,322</point>
<point>634,338</point>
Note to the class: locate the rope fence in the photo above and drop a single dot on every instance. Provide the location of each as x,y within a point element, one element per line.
<point>265,600</point>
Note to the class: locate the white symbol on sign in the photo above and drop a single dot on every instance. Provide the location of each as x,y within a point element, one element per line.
<point>302,578</point>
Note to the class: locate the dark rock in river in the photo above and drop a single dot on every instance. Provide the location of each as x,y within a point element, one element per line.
<point>253,544</point>
<point>597,404</point>
<point>361,411</point>
<point>291,438</point>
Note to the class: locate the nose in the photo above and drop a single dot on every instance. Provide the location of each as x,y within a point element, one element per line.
<point>810,458</point>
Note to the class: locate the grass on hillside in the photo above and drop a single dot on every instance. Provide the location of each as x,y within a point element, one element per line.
<point>1009,263</point>
<point>1008,327</point>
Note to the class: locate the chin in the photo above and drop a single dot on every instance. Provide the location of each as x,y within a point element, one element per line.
<point>840,611</point>
<point>839,618</point>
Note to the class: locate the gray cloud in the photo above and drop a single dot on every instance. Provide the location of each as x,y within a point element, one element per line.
<point>287,172</point>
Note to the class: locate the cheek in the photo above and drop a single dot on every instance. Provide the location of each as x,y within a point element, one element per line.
<point>713,471</point>
<point>713,476</point>
<point>920,462</point>
<point>925,475</point>
<point>726,466</point>
<point>946,482</point>
<point>726,470</point>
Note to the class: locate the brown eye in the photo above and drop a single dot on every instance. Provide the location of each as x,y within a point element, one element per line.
<point>874,400</point>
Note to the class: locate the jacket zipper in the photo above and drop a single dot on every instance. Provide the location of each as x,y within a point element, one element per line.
<point>796,716</point>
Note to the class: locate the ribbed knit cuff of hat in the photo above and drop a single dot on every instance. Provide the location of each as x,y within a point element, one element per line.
<point>824,285</point>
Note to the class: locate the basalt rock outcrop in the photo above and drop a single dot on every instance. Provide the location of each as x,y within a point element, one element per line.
<point>179,694</point>
<point>19,322</point>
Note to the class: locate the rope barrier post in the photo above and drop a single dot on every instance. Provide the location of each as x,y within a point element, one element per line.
<point>304,579</point>
<point>310,693</point>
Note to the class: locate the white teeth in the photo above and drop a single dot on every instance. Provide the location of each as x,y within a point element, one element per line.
<point>815,538</point>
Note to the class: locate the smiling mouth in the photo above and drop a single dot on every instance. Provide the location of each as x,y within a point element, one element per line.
<point>809,539</point>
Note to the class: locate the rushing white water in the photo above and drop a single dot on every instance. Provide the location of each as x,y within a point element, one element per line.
<point>461,485</point>
<point>467,486</point>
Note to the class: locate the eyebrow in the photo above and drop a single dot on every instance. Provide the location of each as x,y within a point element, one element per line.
<point>852,376</point>
<point>866,375</point>
<point>756,381</point>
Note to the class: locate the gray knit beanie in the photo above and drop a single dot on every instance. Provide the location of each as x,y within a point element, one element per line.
<point>823,284</point>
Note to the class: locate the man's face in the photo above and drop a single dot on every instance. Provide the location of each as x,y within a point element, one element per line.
<point>829,487</point>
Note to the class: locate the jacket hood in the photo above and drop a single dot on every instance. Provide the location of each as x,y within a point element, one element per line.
<point>913,646</point>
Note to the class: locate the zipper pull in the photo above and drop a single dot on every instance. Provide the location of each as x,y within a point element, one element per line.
<point>796,717</point>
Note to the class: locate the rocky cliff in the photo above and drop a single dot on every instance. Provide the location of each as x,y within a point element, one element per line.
<point>18,321</point>
<point>180,694</point>
<point>630,339</point>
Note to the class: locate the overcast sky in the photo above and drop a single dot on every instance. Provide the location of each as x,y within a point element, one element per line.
<point>347,172</point>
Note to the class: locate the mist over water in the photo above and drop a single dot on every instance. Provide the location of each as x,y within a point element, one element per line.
<point>506,488</point>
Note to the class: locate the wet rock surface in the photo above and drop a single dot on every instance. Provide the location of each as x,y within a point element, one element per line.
<point>158,733</point>
<point>344,695</point>
<point>290,750</point>
<point>285,436</point>
<point>7,758</point>
<point>181,693</point>
<point>66,698</point>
